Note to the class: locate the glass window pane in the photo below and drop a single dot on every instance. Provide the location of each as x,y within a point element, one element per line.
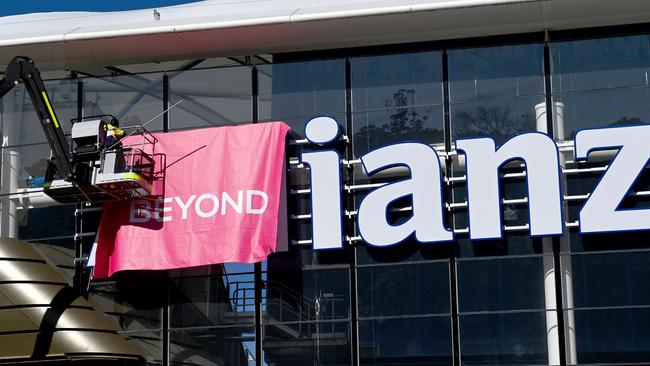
<point>604,108</point>
<point>224,269</point>
<point>608,241</point>
<point>498,119</point>
<point>501,284</point>
<point>212,346</point>
<point>265,91</point>
<point>308,89</point>
<point>407,289</point>
<point>302,257</point>
<point>374,129</point>
<point>211,97</point>
<point>503,339</point>
<point>412,79</point>
<point>134,302</point>
<point>307,344</point>
<point>133,99</point>
<point>408,250</point>
<point>610,279</point>
<point>298,123</point>
<point>215,300</point>
<point>19,121</point>
<point>616,336</point>
<point>600,63</point>
<point>512,243</point>
<point>46,222</point>
<point>496,72</point>
<point>411,341</point>
<point>307,295</point>
<point>601,82</point>
<point>24,166</point>
<point>149,343</point>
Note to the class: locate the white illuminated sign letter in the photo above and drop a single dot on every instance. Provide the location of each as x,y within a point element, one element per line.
<point>483,161</point>
<point>600,213</point>
<point>424,186</point>
<point>325,178</point>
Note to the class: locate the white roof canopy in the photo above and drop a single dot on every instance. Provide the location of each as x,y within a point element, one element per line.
<point>216,28</point>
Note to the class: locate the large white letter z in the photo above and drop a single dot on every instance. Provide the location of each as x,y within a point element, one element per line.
<point>600,213</point>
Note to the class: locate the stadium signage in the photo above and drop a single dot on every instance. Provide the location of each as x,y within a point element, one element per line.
<point>600,212</point>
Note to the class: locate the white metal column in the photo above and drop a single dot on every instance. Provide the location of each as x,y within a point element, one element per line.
<point>10,164</point>
<point>552,326</point>
<point>9,183</point>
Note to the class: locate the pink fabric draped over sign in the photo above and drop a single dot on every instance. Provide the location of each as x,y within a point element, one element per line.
<point>219,202</point>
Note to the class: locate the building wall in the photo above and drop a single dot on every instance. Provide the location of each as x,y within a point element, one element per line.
<point>467,302</point>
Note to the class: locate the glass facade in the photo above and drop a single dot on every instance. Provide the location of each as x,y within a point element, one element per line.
<point>575,300</point>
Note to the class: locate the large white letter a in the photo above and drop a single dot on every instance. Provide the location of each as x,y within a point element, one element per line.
<point>424,186</point>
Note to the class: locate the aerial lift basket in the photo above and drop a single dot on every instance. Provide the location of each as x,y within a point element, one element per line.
<point>121,171</point>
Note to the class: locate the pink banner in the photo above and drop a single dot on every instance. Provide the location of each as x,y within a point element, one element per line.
<point>220,202</point>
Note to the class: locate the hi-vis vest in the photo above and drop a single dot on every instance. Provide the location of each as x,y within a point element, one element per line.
<point>113,131</point>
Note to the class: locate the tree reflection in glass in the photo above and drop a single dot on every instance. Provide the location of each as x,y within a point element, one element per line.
<point>398,123</point>
<point>497,121</point>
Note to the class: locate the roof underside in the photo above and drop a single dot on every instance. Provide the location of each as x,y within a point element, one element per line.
<point>218,28</point>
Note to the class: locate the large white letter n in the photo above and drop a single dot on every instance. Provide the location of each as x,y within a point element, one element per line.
<point>483,161</point>
<point>424,187</point>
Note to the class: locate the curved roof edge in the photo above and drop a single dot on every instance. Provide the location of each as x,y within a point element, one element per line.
<point>243,27</point>
<point>43,319</point>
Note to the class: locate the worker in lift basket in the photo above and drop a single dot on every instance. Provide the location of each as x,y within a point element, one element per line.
<point>113,133</point>
<point>112,142</point>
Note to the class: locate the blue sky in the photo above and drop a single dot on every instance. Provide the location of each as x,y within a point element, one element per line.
<point>13,7</point>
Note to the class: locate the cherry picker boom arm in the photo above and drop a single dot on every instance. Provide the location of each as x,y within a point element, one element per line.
<point>22,69</point>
